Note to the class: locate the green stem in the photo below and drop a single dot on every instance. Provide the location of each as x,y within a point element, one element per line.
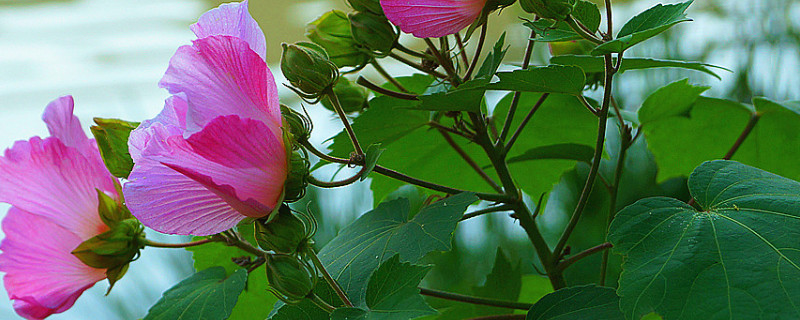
<point>613,192</point>
<point>155,244</point>
<point>316,300</point>
<point>418,66</point>
<point>563,265</point>
<point>505,207</point>
<point>524,123</point>
<point>338,107</point>
<point>461,48</point>
<point>474,300</point>
<point>387,76</point>
<point>474,165</point>
<point>598,153</point>
<point>526,60</point>
<point>478,50</point>
<point>328,278</point>
<point>399,95</point>
<point>451,74</point>
<point>233,239</point>
<point>408,51</point>
<point>335,184</point>
<point>581,31</point>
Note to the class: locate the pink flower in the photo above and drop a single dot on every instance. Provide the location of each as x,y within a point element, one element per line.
<point>215,155</point>
<point>432,18</point>
<point>52,186</point>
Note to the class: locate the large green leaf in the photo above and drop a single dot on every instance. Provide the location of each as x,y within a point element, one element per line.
<point>466,97</point>
<point>578,303</point>
<point>503,283</point>
<point>554,79</point>
<point>570,151</point>
<point>549,31</point>
<point>736,258</point>
<point>644,26</point>
<point>112,140</point>
<point>392,291</point>
<point>209,295</point>
<point>593,64</point>
<point>678,121</point>
<point>387,231</point>
<point>255,297</point>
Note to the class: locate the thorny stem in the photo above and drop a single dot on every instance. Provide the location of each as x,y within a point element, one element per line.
<point>336,105</point>
<point>470,161</point>
<point>387,76</point>
<point>369,85</point>
<point>563,265</point>
<point>417,66</point>
<point>402,177</point>
<point>327,276</point>
<point>155,244</point>
<point>481,41</point>
<point>474,300</point>
<point>598,153</point>
<point>526,60</point>
<point>524,122</point>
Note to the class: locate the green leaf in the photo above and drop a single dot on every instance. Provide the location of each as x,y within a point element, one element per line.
<point>578,303</point>
<point>677,121</point>
<point>534,287</point>
<point>554,79</point>
<point>644,26</point>
<point>209,294</point>
<point>493,60</point>
<point>112,140</point>
<point>593,64</point>
<point>569,151</point>
<point>737,258</point>
<point>371,159</point>
<point>503,283</point>
<point>549,31</point>
<point>467,97</point>
<point>350,314</point>
<point>386,231</point>
<point>392,291</point>
<point>255,299</point>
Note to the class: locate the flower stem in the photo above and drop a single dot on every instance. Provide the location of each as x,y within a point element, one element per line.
<point>335,184</point>
<point>451,74</point>
<point>336,105</point>
<point>155,244</point>
<point>461,48</point>
<point>387,76</point>
<point>328,278</point>
<point>316,300</point>
<point>374,87</point>
<point>517,95</point>
<point>481,41</point>
<point>474,300</point>
<point>417,66</point>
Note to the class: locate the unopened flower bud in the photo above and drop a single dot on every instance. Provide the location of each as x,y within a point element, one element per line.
<point>371,6</point>
<point>373,32</point>
<point>296,179</point>
<point>332,32</point>
<point>114,247</point>
<point>283,233</point>
<point>297,124</point>
<point>549,9</point>
<point>291,279</point>
<point>308,69</point>
<point>352,97</point>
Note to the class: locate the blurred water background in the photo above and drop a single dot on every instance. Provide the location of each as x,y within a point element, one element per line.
<point>110,54</point>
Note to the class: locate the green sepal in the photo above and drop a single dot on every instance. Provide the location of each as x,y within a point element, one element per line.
<point>112,140</point>
<point>373,32</point>
<point>110,210</point>
<point>308,68</point>
<point>114,274</point>
<point>332,32</point>
<point>285,233</point>
<point>290,278</point>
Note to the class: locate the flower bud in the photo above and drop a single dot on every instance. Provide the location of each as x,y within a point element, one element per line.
<point>549,9</point>
<point>352,97</point>
<point>283,233</point>
<point>296,180</point>
<point>308,69</point>
<point>371,6</point>
<point>332,32</point>
<point>114,249</point>
<point>373,32</point>
<point>298,125</point>
<point>291,279</point>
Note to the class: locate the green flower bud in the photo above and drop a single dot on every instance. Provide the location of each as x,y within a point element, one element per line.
<point>549,9</point>
<point>296,181</point>
<point>332,32</point>
<point>298,125</point>
<point>284,233</point>
<point>291,279</point>
<point>373,32</point>
<point>308,69</point>
<point>352,97</point>
<point>371,6</point>
<point>114,249</point>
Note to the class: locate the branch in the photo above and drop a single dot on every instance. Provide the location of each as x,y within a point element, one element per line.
<point>387,76</point>
<point>524,123</point>
<point>478,50</point>
<point>517,95</point>
<point>417,66</point>
<point>474,300</point>
<point>563,265</point>
<point>399,95</point>
<point>504,207</point>
<point>336,105</point>
<point>328,278</point>
<point>470,162</point>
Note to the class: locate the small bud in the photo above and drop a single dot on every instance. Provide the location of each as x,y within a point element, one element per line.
<point>291,279</point>
<point>299,126</point>
<point>112,248</point>
<point>308,69</point>
<point>283,233</point>
<point>332,32</point>
<point>549,9</point>
<point>296,180</point>
<point>352,97</point>
<point>373,32</point>
<point>371,6</point>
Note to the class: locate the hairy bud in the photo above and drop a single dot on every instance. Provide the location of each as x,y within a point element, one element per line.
<point>308,69</point>
<point>296,180</point>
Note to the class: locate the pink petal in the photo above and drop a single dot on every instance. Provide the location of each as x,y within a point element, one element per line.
<point>42,276</point>
<point>171,121</point>
<point>220,76</point>
<point>63,125</point>
<point>49,179</point>
<point>205,184</point>
<point>232,19</point>
<point>432,18</point>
